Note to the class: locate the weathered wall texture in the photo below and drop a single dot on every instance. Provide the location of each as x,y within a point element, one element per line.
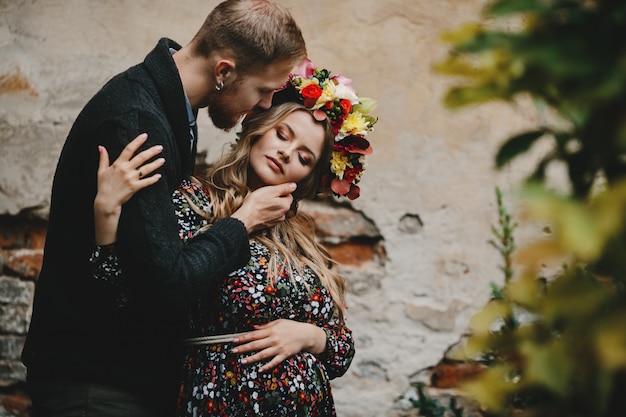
<point>428,191</point>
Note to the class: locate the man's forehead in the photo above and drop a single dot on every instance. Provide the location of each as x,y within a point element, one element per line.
<point>274,76</point>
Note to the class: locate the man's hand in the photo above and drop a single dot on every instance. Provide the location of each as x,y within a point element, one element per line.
<point>266,206</point>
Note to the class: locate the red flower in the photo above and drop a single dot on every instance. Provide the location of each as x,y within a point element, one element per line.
<point>350,174</point>
<point>346,106</point>
<point>312,91</point>
<point>310,94</point>
<point>354,144</point>
<point>354,192</point>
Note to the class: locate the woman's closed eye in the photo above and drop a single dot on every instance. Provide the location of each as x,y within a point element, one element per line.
<point>283,134</point>
<point>304,159</point>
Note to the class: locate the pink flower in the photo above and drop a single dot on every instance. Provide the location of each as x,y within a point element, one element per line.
<point>340,187</point>
<point>345,81</point>
<point>306,69</point>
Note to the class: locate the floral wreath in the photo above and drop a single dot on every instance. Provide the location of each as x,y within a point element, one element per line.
<point>348,113</point>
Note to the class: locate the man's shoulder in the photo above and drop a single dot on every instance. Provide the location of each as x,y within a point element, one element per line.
<point>130,91</point>
<point>153,81</point>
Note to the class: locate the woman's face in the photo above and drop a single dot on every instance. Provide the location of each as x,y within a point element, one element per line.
<point>288,152</point>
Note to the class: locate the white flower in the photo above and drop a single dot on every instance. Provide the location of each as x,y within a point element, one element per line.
<point>346,93</point>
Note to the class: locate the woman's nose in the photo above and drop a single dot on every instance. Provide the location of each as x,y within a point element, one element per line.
<point>283,155</point>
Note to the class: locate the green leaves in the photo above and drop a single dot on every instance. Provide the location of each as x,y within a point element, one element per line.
<point>505,8</point>
<point>516,146</point>
<point>556,345</point>
<point>565,53</point>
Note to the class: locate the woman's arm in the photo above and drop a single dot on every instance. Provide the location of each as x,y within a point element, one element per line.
<point>339,349</point>
<point>118,182</point>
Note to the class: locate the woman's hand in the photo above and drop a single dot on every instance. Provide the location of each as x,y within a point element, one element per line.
<point>279,340</point>
<point>118,182</point>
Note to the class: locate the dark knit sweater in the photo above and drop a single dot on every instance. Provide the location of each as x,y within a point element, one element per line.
<point>75,333</point>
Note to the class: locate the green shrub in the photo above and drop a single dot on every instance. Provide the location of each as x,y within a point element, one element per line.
<point>567,357</point>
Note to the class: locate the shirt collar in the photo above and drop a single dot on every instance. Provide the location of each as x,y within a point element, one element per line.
<point>190,115</point>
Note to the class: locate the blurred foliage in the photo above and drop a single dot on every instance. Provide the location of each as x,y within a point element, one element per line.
<point>568,55</point>
<point>556,346</point>
<point>433,407</point>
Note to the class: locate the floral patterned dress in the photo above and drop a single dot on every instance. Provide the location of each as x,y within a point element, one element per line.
<point>215,382</point>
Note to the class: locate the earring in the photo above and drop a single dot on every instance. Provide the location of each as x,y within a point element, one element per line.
<point>219,86</point>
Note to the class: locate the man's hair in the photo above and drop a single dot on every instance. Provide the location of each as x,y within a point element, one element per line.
<point>256,32</point>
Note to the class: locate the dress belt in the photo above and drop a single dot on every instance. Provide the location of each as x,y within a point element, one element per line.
<point>211,340</point>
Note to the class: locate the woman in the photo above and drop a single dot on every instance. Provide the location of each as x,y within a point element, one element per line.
<point>287,292</point>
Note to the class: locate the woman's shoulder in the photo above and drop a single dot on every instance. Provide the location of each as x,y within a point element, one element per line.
<point>192,192</point>
<point>192,184</point>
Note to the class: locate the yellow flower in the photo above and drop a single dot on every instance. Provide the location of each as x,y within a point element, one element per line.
<point>355,124</point>
<point>339,163</point>
<point>303,83</point>
<point>328,94</point>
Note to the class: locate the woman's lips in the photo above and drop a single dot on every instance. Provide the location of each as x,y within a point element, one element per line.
<point>275,165</point>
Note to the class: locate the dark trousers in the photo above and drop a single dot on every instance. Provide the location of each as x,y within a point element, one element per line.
<point>61,398</point>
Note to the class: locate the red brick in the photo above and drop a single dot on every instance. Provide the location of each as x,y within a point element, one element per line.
<point>18,233</point>
<point>352,253</point>
<point>25,263</point>
<point>451,375</point>
<point>16,404</point>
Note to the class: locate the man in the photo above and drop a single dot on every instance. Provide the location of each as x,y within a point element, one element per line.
<point>85,356</point>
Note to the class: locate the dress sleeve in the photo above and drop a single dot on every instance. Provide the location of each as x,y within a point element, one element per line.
<point>107,271</point>
<point>339,349</point>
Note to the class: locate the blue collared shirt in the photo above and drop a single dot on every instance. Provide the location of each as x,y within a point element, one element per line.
<point>190,116</point>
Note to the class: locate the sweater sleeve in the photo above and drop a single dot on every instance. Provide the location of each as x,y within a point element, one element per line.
<point>165,272</point>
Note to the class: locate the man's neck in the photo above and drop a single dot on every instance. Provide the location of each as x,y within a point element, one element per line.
<point>193,73</point>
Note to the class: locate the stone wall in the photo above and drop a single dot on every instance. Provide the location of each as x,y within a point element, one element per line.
<point>414,243</point>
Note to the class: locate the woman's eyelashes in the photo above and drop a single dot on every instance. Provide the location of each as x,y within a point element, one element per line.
<point>304,160</point>
<point>303,157</point>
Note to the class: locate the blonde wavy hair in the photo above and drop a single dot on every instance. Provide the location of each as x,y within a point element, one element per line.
<point>294,239</point>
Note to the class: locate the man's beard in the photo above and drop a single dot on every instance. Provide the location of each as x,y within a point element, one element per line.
<point>221,110</point>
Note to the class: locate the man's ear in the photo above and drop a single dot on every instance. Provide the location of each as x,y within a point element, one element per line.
<point>224,69</point>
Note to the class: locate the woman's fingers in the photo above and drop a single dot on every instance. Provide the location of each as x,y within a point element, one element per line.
<point>272,364</point>
<point>148,169</point>
<point>103,163</point>
<point>129,153</point>
<point>132,147</point>
<point>134,166</point>
<point>251,341</point>
<point>138,160</point>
